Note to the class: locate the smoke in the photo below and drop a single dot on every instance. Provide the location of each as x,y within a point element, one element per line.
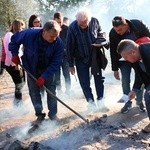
<point>15,111</point>
<point>105,11</point>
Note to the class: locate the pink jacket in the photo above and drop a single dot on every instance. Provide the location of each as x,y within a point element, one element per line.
<point>6,54</point>
<point>6,41</point>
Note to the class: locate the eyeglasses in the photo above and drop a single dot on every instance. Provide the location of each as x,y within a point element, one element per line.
<point>117,22</point>
<point>36,21</point>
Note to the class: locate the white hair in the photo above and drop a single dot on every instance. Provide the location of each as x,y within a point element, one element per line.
<point>83,15</point>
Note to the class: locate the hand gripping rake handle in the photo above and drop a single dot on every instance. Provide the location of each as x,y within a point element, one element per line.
<point>55,97</point>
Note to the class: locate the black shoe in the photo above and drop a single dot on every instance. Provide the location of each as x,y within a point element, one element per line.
<point>141,107</point>
<point>126,107</point>
<point>40,118</point>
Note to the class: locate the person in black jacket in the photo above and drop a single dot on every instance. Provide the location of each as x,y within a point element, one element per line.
<point>139,55</point>
<point>58,17</point>
<point>125,29</point>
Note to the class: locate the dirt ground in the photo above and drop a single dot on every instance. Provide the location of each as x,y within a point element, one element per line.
<point>106,130</point>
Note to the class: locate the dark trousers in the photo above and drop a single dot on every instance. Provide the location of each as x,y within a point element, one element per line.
<point>36,98</point>
<point>147,100</point>
<point>83,72</point>
<point>18,77</point>
<point>125,69</point>
<point>66,74</point>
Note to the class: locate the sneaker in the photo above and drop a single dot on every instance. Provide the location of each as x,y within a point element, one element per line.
<point>146,129</point>
<point>126,107</point>
<point>124,99</point>
<point>141,107</point>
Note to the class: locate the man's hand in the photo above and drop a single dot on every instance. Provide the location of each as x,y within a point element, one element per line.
<point>131,95</point>
<point>15,60</point>
<point>116,75</point>
<point>40,81</point>
<point>72,70</point>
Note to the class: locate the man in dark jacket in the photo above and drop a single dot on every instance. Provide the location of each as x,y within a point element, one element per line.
<point>42,55</point>
<point>64,65</point>
<point>82,33</point>
<point>140,57</point>
<point>125,29</point>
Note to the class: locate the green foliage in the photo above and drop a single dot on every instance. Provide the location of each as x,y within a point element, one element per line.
<point>12,9</point>
<point>23,9</point>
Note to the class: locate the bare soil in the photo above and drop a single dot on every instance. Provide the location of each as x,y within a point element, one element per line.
<point>109,130</point>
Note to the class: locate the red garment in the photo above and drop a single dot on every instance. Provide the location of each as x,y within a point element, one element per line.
<point>3,57</point>
<point>15,60</point>
<point>143,39</point>
<point>40,81</point>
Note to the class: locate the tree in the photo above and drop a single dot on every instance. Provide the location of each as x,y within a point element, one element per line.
<point>23,9</point>
<point>12,9</point>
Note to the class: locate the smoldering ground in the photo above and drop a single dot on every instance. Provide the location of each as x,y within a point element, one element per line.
<point>106,130</point>
<point>116,131</point>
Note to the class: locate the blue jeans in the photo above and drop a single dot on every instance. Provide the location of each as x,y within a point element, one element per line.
<point>83,72</point>
<point>125,69</point>
<point>147,100</point>
<point>34,92</point>
<point>66,74</point>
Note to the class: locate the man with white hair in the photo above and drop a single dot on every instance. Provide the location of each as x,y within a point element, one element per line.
<point>82,33</point>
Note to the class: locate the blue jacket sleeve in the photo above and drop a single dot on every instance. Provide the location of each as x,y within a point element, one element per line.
<point>56,59</point>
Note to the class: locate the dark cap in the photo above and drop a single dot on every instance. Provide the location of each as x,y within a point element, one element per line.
<point>118,20</point>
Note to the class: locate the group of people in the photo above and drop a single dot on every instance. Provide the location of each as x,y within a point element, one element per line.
<point>76,47</point>
<point>126,29</point>
<point>129,41</point>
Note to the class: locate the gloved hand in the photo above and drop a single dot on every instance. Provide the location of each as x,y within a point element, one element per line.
<point>15,60</point>
<point>40,81</point>
<point>2,68</point>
